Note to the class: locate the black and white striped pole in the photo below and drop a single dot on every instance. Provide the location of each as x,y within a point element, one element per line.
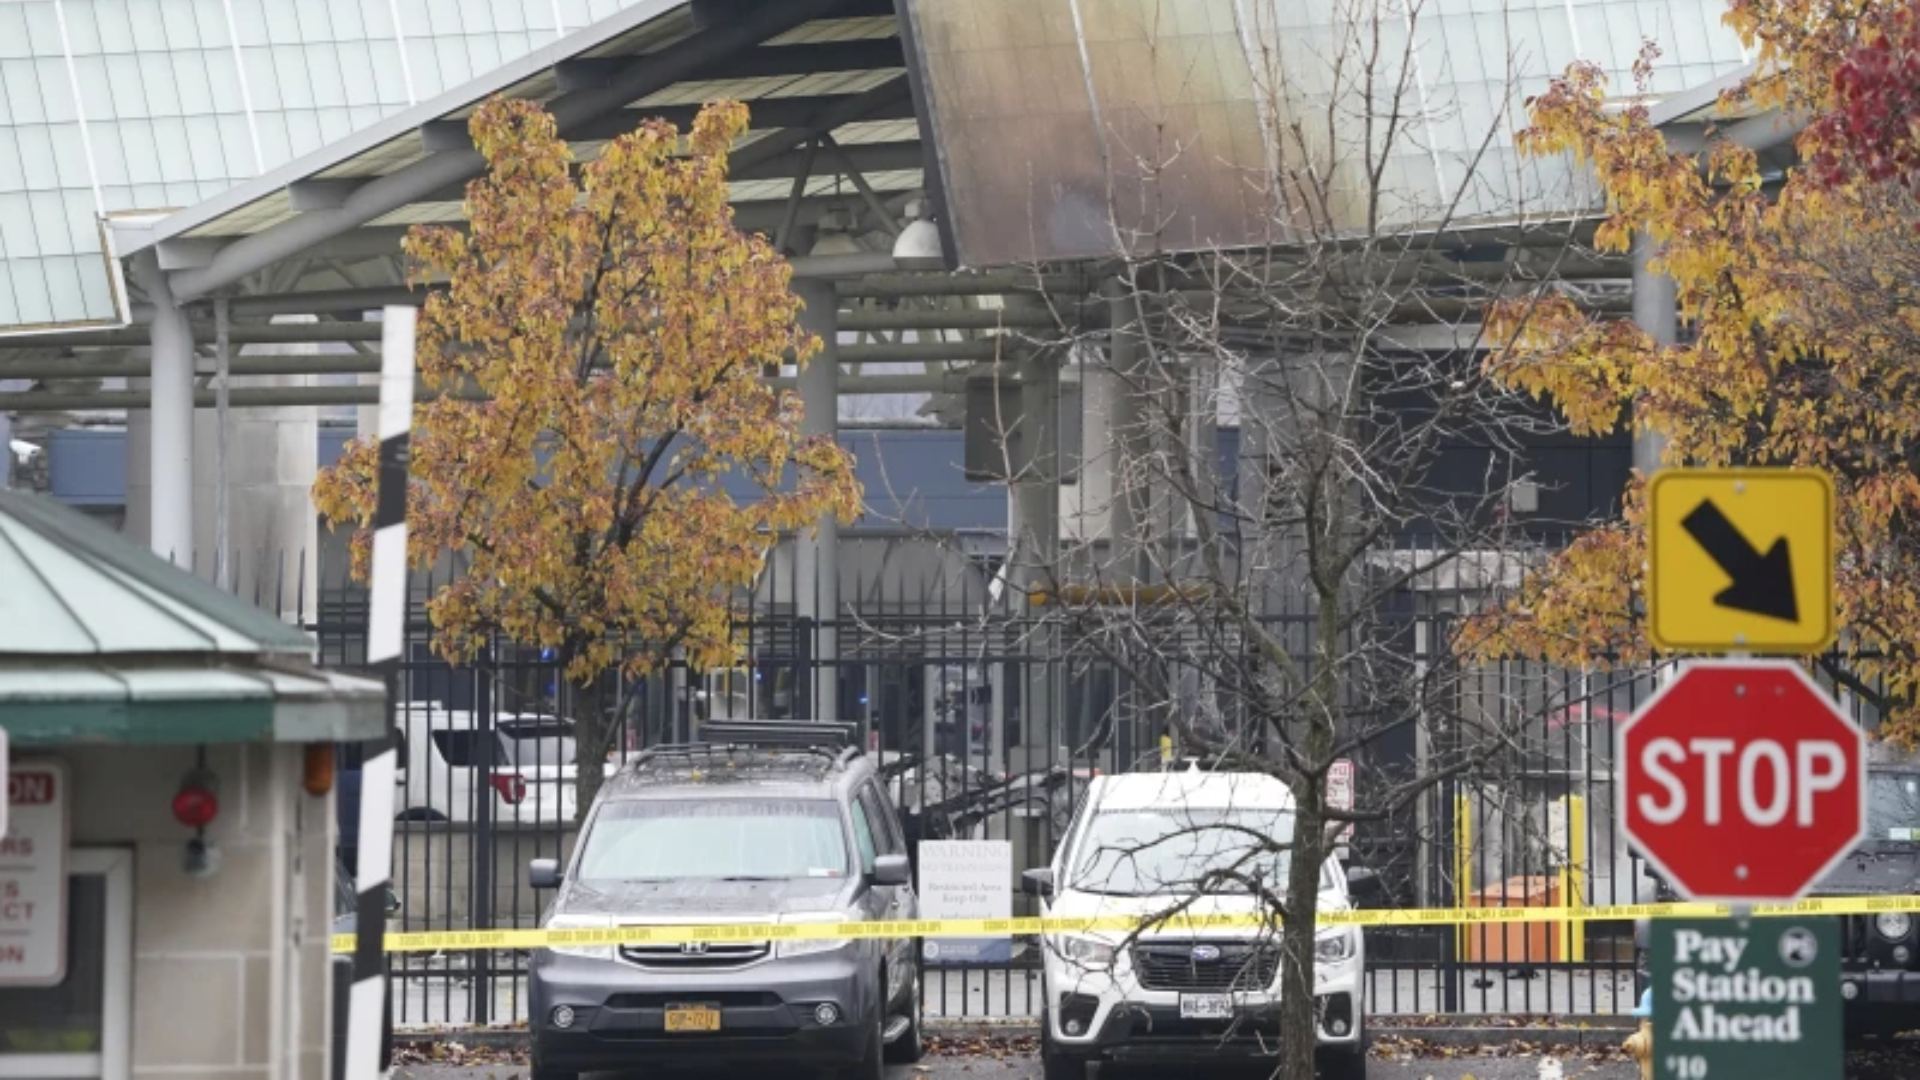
<point>367,1030</point>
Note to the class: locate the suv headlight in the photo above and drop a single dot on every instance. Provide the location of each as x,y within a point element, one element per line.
<point>581,922</point>
<point>813,946</point>
<point>1893,925</point>
<point>1332,948</point>
<point>1087,952</point>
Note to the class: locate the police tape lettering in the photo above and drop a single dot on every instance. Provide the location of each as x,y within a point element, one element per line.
<point>1027,926</point>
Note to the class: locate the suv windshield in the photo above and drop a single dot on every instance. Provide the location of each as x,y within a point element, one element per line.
<point>772,839</point>
<point>1151,852</point>
<point>1893,806</point>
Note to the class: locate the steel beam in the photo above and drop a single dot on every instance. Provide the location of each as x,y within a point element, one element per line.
<point>767,113</point>
<point>866,157</point>
<point>40,368</point>
<point>283,397</point>
<point>764,62</point>
<point>257,334</point>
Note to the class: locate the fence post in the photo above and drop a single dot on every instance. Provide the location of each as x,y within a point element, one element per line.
<point>481,839</point>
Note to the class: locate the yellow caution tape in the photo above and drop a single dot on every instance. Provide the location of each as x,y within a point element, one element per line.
<point>462,940</point>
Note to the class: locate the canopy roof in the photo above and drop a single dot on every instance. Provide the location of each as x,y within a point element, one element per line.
<point>831,71</point>
<point>101,641</point>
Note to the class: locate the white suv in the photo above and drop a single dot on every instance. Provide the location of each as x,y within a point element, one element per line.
<point>1148,844</point>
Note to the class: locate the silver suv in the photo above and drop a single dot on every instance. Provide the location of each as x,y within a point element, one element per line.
<point>764,823</point>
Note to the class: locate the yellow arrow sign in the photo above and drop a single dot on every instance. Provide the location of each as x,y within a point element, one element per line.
<point>1740,560</point>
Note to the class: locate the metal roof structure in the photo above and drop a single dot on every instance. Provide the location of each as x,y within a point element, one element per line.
<point>101,641</point>
<point>827,70</point>
<point>851,128</point>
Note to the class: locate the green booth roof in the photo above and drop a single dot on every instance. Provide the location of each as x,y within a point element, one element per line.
<point>103,642</point>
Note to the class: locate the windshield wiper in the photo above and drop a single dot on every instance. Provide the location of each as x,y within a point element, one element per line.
<point>751,877</point>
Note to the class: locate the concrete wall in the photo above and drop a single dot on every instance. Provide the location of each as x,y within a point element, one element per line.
<point>230,971</point>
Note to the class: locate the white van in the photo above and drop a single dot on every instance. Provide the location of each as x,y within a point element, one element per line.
<point>1145,844</point>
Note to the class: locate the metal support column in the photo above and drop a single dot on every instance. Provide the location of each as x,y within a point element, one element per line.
<point>222,496</point>
<point>170,456</point>
<point>1033,539</point>
<point>816,555</point>
<point>1656,310</point>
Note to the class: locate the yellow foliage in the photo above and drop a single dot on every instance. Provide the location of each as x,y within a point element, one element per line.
<point>617,324</point>
<point>1800,308</point>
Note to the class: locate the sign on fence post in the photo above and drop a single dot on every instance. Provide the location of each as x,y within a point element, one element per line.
<point>966,879</point>
<point>1738,999</point>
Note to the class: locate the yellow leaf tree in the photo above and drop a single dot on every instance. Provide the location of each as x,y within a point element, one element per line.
<point>1799,300</point>
<point>594,369</point>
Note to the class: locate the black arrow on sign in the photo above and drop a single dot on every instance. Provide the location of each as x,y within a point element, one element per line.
<point>1762,584</point>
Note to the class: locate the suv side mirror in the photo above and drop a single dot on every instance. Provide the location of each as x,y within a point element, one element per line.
<point>892,870</point>
<point>544,873</point>
<point>393,901</point>
<point>1037,882</point>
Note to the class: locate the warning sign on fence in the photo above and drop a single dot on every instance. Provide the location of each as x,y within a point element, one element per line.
<point>966,879</point>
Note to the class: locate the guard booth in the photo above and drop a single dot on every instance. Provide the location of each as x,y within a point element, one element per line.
<point>166,873</point>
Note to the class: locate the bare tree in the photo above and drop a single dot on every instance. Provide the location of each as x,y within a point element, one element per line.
<point>1288,609</point>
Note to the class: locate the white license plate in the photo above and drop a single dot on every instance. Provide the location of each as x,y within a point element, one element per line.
<point>1206,1006</point>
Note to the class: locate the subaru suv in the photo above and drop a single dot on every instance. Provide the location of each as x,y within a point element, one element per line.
<point>1147,845</point>
<point>762,823</point>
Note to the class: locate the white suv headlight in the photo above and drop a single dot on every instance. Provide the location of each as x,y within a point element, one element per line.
<point>581,922</point>
<point>1335,946</point>
<point>813,946</point>
<point>1087,952</point>
<point>1893,925</point>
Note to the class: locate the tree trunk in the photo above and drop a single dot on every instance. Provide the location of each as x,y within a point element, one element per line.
<point>1298,1026</point>
<point>593,732</point>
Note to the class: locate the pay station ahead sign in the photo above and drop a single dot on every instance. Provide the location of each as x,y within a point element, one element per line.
<point>1740,560</point>
<point>1746,999</point>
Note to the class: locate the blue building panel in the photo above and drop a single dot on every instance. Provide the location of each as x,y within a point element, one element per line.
<point>88,467</point>
<point>913,480</point>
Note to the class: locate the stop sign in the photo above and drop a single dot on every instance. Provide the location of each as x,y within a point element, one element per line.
<point>1742,781</point>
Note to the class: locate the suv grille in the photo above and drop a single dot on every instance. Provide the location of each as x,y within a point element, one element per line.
<point>698,956</point>
<point>1239,966</point>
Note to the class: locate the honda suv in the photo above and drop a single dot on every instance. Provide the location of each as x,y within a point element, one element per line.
<point>763,823</point>
<point>1148,845</point>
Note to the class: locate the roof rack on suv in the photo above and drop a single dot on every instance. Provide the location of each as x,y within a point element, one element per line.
<point>831,744</point>
<point>808,734</point>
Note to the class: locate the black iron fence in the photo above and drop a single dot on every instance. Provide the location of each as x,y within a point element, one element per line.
<point>988,725</point>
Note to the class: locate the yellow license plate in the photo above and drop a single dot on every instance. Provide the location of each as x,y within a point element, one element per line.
<point>693,1018</point>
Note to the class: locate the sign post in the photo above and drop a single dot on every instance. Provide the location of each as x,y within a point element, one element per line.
<point>1746,998</point>
<point>33,876</point>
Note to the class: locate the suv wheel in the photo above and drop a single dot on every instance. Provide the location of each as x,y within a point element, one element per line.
<point>542,1073</point>
<point>873,1060</point>
<point>909,1048</point>
<point>1055,1064</point>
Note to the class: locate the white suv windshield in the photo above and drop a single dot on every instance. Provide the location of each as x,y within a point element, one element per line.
<point>725,839</point>
<point>1154,852</point>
